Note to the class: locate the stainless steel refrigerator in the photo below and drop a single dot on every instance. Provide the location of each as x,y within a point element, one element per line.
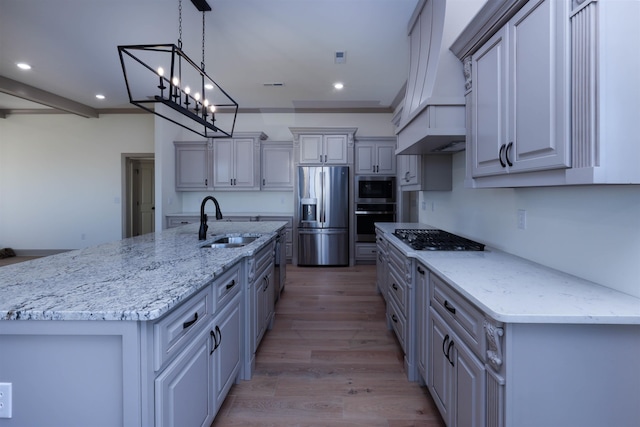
<point>323,212</point>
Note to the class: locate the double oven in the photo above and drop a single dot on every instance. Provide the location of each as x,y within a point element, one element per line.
<point>375,200</point>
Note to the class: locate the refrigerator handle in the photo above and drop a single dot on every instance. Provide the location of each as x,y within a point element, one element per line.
<point>324,197</point>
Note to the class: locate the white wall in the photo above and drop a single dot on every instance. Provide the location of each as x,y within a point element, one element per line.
<point>60,178</point>
<point>591,232</point>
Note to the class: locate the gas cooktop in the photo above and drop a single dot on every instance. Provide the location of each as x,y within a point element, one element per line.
<point>436,240</point>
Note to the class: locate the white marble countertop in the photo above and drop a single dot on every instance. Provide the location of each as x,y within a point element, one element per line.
<point>511,289</point>
<point>139,278</point>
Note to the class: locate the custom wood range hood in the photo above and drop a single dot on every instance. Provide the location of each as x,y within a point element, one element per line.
<point>433,115</point>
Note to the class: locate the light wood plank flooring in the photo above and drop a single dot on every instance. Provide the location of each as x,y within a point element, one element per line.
<point>329,360</point>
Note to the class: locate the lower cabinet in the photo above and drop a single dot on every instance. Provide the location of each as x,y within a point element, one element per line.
<point>259,303</point>
<point>184,390</point>
<point>201,343</point>
<point>456,377</point>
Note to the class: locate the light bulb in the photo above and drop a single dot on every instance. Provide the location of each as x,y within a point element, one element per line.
<point>212,108</point>
<point>175,81</point>
<point>187,90</point>
<point>160,71</point>
<point>197,96</point>
<point>206,102</point>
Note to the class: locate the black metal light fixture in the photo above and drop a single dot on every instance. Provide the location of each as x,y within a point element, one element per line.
<point>163,73</point>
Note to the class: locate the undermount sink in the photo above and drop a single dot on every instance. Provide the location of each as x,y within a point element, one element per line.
<point>230,242</point>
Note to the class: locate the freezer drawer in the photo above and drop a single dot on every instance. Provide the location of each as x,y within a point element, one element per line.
<point>323,247</point>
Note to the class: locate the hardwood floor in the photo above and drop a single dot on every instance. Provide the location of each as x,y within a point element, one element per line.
<point>329,360</point>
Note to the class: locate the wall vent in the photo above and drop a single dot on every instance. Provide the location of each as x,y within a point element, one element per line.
<point>274,84</point>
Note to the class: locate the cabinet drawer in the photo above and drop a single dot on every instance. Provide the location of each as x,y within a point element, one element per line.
<point>226,286</point>
<point>463,317</point>
<point>261,260</point>
<point>398,323</point>
<point>180,326</point>
<point>398,290</point>
<point>177,221</point>
<point>400,262</point>
<point>366,251</point>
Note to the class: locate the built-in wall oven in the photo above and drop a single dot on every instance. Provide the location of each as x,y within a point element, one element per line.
<point>375,202</point>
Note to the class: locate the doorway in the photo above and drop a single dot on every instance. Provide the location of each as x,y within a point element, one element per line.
<point>139,206</point>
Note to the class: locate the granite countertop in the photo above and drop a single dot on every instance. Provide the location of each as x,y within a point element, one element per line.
<point>139,278</point>
<point>511,289</point>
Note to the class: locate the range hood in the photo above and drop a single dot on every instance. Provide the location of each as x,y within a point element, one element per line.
<point>432,119</point>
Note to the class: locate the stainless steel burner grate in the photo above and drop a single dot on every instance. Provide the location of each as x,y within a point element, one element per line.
<point>436,240</point>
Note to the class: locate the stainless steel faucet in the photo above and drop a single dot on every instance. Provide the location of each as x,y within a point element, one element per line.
<point>202,234</point>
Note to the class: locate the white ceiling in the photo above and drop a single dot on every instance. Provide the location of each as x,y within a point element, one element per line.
<point>72,47</point>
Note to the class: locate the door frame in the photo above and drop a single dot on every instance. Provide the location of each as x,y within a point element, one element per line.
<point>126,161</point>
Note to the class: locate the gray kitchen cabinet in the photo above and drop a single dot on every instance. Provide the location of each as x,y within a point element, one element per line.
<point>237,161</point>
<point>259,303</point>
<point>328,149</point>
<point>184,390</point>
<point>375,156</point>
<point>288,232</point>
<point>424,172</point>
<point>401,306</point>
<point>193,163</point>
<point>277,166</point>
<point>366,252</point>
<point>457,377</point>
<point>197,354</point>
<point>382,264</point>
<point>227,356</point>
<point>521,78</point>
<point>422,322</point>
<point>545,104</point>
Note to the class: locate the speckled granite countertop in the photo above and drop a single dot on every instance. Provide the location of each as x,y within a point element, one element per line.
<point>140,278</point>
<point>511,289</point>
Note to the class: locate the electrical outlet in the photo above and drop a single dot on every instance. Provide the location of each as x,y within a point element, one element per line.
<point>5,400</point>
<point>522,219</point>
<point>424,205</point>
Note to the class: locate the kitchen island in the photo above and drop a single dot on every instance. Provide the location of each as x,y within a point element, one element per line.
<point>123,333</point>
<point>503,341</point>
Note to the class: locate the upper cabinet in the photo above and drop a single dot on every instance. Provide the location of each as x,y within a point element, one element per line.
<point>323,145</point>
<point>220,164</point>
<point>520,89</point>
<point>551,93</point>
<point>330,149</point>
<point>277,166</point>
<point>237,161</point>
<point>375,156</point>
<point>194,161</point>
<point>424,172</point>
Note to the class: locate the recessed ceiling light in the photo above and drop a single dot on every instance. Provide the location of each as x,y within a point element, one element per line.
<point>338,86</point>
<point>100,96</point>
<point>23,66</point>
<point>208,86</point>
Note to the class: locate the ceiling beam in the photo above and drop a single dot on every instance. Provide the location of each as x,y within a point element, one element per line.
<point>43,97</point>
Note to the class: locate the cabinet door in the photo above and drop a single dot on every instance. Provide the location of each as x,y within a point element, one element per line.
<point>243,163</point>
<point>537,126</point>
<point>223,157</point>
<point>192,166</point>
<point>365,158</point>
<point>335,149</point>
<point>311,149</point>
<point>489,129</point>
<point>422,326</point>
<point>269,299</point>
<point>226,360</point>
<point>440,369</point>
<point>277,167</point>
<point>470,387</point>
<point>386,159</point>
<point>184,392</point>
<point>408,169</point>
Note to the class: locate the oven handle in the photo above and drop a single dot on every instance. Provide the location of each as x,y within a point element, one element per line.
<point>374,212</point>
